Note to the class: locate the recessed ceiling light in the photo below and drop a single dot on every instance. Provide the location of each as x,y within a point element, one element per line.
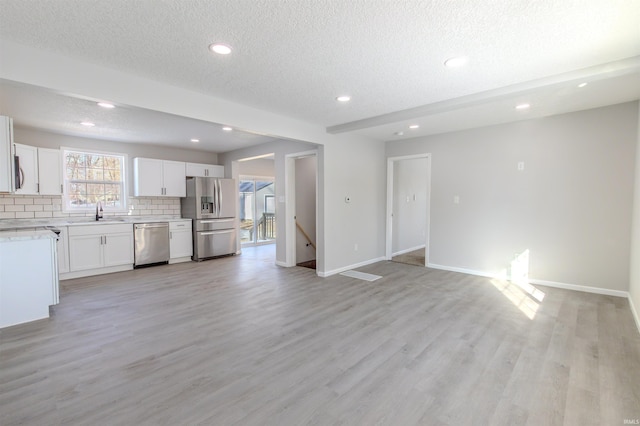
<point>456,62</point>
<point>227,129</point>
<point>219,48</point>
<point>195,140</point>
<point>106,105</point>
<point>582,85</point>
<point>343,98</point>
<point>414,126</point>
<point>88,123</point>
<point>523,106</point>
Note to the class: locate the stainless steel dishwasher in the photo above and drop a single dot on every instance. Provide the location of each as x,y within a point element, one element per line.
<point>151,243</point>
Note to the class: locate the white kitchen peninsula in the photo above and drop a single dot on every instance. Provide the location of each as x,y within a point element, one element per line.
<point>28,276</point>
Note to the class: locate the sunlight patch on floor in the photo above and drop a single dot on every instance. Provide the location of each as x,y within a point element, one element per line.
<point>517,290</point>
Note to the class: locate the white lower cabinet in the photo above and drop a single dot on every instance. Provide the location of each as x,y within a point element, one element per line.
<point>28,278</point>
<point>180,241</point>
<point>99,249</point>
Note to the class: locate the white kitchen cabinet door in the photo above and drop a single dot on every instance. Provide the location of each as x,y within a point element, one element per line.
<point>100,246</point>
<point>216,171</point>
<point>181,239</point>
<point>147,177</point>
<point>6,159</point>
<point>63,250</point>
<point>85,252</point>
<point>28,173</point>
<point>157,178</point>
<point>197,170</point>
<point>174,175</point>
<point>118,249</point>
<point>204,170</point>
<point>49,171</point>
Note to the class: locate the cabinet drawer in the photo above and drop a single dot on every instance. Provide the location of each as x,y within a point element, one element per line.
<point>180,225</point>
<point>115,228</point>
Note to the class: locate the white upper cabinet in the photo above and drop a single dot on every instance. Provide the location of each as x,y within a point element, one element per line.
<point>205,170</point>
<point>6,159</point>
<point>49,171</point>
<point>27,173</point>
<point>159,178</point>
<point>175,184</point>
<point>39,170</point>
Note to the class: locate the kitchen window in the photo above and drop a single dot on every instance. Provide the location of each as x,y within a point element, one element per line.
<point>92,177</point>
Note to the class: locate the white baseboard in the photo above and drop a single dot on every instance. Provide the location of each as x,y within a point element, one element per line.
<point>634,312</point>
<point>584,288</point>
<point>283,264</point>
<point>574,287</point>
<point>409,250</point>
<point>464,271</point>
<point>346,268</point>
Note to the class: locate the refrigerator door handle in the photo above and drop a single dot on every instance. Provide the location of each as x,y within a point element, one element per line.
<point>215,201</point>
<point>219,197</point>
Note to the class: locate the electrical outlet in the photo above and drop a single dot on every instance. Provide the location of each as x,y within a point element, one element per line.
<point>520,166</point>
<point>355,247</point>
<point>456,199</point>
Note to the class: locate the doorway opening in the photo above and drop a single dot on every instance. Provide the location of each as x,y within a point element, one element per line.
<point>302,195</point>
<point>257,210</point>
<point>408,209</point>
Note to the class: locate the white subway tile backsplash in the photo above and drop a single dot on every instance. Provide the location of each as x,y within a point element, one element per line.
<point>24,215</point>
<point>43,214</point>
<point>34,206</point>
<point>23,201</point>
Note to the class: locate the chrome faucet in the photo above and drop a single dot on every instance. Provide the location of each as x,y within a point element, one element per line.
<point>99,210</point>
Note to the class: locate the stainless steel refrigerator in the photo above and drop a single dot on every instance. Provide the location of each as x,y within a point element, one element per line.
<point>212,204</point>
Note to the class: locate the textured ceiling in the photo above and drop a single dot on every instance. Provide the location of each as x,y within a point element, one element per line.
<point>295,57</point>
<point>39,108</point>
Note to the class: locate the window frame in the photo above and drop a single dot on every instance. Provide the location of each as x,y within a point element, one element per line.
<point>90,208</point>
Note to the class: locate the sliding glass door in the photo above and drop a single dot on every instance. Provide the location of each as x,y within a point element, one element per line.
<point>257,210</point>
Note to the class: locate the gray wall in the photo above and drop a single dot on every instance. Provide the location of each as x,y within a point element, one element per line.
<point>570,206</point>
<point>259,167</point>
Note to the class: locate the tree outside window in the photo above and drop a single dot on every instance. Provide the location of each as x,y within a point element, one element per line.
<point>90,177</point>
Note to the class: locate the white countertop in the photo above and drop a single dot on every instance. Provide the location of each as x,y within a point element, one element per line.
<point>31,234</point>
<point>12,224</point>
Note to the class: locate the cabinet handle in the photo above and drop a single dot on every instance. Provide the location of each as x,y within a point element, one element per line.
<point>61,189</point>
<point>38,187</point>
<point>105,240</point>
<point>170,235</point>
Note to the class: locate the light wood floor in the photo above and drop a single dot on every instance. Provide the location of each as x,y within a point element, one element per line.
<point>241,341</point>
<point>415,257</point>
